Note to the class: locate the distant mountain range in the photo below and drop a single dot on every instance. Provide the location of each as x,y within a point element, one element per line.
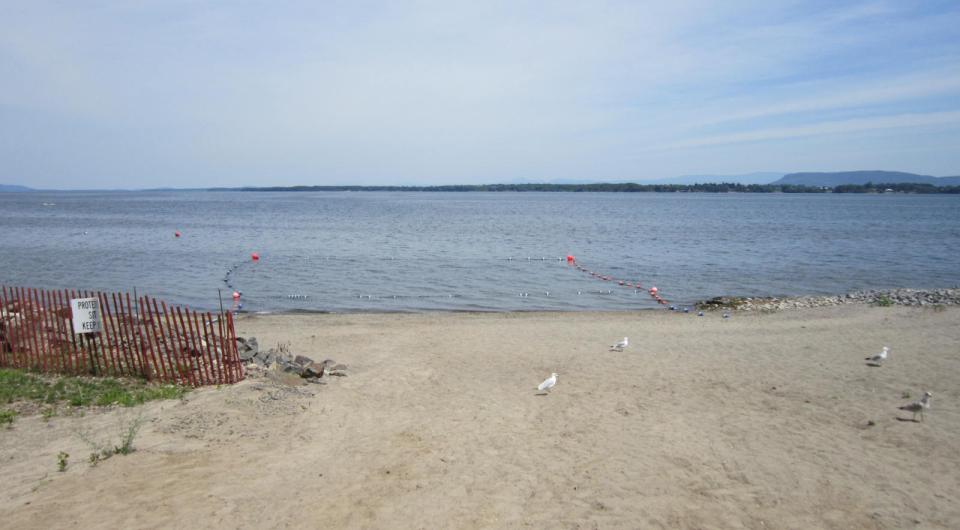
<point>10,187</point>
<point>862,177</point>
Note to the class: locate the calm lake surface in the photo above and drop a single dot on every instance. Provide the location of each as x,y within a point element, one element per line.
<point>405,251</point>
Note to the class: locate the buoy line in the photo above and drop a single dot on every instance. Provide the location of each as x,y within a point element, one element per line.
<point>632,284</point>
<point>236,294</point>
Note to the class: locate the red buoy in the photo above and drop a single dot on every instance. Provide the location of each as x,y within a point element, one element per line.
<point>570,258</point>
<point>236,295</point>
<point>255,256</point>
<point>176,234</point>
<point>653,289</point>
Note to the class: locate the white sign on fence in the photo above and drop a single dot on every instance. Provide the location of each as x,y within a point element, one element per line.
<point>86,315</point>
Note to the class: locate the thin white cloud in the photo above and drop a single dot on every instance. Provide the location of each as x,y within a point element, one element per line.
<point>819,129</point>
<point>843,95</point>
<point>448,92</point>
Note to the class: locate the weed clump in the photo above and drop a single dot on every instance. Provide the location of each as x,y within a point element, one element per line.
<point>102,450</point>
<point>884,301</point>
<point>62,461</point>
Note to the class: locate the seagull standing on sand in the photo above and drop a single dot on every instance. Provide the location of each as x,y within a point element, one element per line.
<point>620,345</point>
<point>548,383</point>
<point>880,357</point>
<point>918,406</point>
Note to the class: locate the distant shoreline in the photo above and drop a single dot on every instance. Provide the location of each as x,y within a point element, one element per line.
<point>727,187</point>
<point>911,188</point>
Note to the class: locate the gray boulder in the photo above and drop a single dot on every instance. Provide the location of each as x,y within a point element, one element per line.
<point>247,348</point>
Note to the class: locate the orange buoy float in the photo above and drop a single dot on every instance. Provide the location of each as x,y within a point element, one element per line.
<point>236,295</point>
<point>570,258</point>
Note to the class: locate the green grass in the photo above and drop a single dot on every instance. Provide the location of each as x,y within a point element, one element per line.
<point>6,417</point>
<point>884,301</point>
<point>19,385</point>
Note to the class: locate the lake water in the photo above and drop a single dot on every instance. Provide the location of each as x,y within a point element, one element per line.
<point>372,251</point>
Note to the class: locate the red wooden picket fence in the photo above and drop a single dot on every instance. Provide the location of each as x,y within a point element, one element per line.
<point>140,338</point>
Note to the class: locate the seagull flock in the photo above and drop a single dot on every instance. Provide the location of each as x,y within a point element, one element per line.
<point>877,360</point>
<point>914,407</point>
<point>551,381</point>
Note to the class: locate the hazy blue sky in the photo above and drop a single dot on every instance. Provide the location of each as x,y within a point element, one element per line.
<point>199,93</point>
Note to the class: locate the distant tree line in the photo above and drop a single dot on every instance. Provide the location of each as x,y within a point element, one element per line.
<point>724,187</point>
<point>904,187</point>
<point>608,187</point>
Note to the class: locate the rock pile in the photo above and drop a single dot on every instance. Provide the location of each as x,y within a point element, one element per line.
<point>904,297</point>
<point>279,359</point>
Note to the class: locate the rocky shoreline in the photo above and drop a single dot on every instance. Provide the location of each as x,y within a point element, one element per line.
<point>892,297</point>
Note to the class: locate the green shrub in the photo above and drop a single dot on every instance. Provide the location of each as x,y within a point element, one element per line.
<point>884,301</point>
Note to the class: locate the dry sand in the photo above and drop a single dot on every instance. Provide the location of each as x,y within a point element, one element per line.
<point>758,421</point>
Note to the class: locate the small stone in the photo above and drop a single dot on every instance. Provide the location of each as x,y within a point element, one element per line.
<point>303,360</point>
<point>312,370</point>
<point>264,358</point>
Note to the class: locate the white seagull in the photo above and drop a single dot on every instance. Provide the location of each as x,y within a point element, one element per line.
<point>548,383</point>
<point>918,406</point>
<point>880,357</point>
<point>620,345</point>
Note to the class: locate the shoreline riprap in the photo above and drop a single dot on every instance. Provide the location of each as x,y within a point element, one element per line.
<point>889,297</point>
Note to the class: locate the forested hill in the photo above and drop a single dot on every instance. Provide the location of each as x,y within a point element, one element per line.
<point>10,187</point>
<point>861,178</point>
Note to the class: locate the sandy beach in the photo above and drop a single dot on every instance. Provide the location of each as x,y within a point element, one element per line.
<point>756,421</point>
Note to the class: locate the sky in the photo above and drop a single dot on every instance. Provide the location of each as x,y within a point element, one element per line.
<point>194,93</point>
